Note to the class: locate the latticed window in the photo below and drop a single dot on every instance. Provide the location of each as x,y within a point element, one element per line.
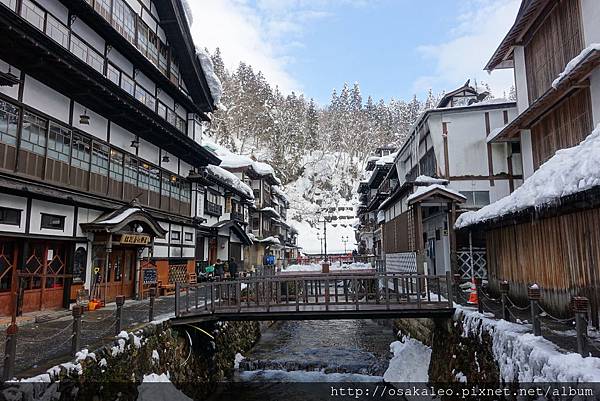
<point>131,170</point>
<point>7,264</point>
<point>33,135</point>
<point>59,143</point>
<point>116,165</point>
<point>9,118</point>
<point>82,152</point>
<point>100,159</point>
<point>124,20</point>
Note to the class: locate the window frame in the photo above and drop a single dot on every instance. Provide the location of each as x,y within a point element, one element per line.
<point>49,226</point>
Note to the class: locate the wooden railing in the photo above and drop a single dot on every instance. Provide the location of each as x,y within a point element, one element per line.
<point>315,293</point>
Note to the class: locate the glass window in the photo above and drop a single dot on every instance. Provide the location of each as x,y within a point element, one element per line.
<point>175,188</point>
<point>144,176</point>
<point>189,237</point>
<point>82,152</point>
<point>113,73</point>
<point>186,192</point>
<point>154,179</point>
<point>476,198</point>
<point>163,59</point>
<point>9,119</point>
<point>116,165</point>
<point>57,31</point>
<point>175,235</point>
<point>124,20</point>
<point>180,124</point>
<point>52,222</point>
<point>174,72</point>
<point>103,8</point>
<point>131,170</point>
<point>128,84</point>
<point>33,135</point>
<point>59,143</point>
<point>100,159</point>
<point>10,216</point>
<point>166,184</point>
<point>33,14</point>
<point>162,110</point>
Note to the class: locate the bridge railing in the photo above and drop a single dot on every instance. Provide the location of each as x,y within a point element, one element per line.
<point>315,292</point>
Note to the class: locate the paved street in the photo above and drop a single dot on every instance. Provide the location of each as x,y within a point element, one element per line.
<point>43,345</point>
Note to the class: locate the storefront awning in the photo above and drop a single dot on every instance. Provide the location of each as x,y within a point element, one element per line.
<point>235,227</point>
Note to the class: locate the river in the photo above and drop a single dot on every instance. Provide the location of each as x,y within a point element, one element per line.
<point>304,352</point>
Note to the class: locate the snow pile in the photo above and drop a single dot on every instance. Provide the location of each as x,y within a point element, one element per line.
<point>149,391</point>
<point>425,179</point>
<point>314,267</point>
<point>569,171</point>
<point>273,240</point>
<point>574,63</point>
<point>388,159</point>
<point>272,211</point>
<point>380,217</point>
<point>213,81</point>
<point>410,363</point>
<point>188,12</point>
<point>238,358</point>
<point>277,191</point>
<point>231,179</point>
<point>420,191</point>
<point>524,357</point>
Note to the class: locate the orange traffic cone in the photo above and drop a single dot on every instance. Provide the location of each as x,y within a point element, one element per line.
<point>473,299</point>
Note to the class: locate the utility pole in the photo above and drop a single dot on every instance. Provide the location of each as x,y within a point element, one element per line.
<point>325,237</point>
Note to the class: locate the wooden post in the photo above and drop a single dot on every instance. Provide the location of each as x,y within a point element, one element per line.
<point>75,341</point>
<point>187,297</point>
<point>534,295</point>
<point>504,289</point>
<point>10,347</point>
<point>418,283</point>
<point>449,285</point>
<point>177,298</point>
<point>457,289</point>
<point>479,294</point>
<point>580,307</point>
<point>120,300</point>
<point>152,294</point>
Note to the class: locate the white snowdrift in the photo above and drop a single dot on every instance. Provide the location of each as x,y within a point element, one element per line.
<point>410,363</point>
<point>337,266</point>
<point>524,357</point>
<point>231,179</point>
<point>213,81</point>
<point>569,171</point>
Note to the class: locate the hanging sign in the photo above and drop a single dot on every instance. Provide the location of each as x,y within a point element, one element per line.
<point>135,239</point>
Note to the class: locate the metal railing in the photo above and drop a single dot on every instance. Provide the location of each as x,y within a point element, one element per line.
<point>315,293</point>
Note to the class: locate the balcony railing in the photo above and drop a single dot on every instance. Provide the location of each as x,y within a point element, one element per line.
<point>237,216</point>
<point>47,23</point>
<point>213,209</point>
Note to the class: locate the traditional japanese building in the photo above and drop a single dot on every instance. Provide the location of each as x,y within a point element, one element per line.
<point>445,166</point>
<point>101,111</point>
<point>547,231</point>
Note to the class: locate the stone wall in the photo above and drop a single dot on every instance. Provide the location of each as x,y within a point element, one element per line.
<point>194,357</point>
<point>452,353</point>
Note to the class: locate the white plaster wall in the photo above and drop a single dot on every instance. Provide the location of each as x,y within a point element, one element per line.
<point>149,20</point>
<point>49,101</point>
<point>467,146</point>
<point>184,168</point>
<point>165,226</point>
<point>172,240</point>
<point>161,251</point>
<point>120,61</point>
<point>166,99</point>
<point>521,79</point>
<point>56,9</point>
<point>38,207</point>
<point>172,165</point>
<point>181,111</point>
<point>85,215</point>
<point>121,138</point>
<point>98,125</point>
<point>145,82</point>
<point>14,202</point>
<point>149,152</point>
<point>526,153</point>
<point>188,252</point>
<point>88,34</point>
<point>135,5</point>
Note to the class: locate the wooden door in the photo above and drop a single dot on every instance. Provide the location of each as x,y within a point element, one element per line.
<point>119,279</point>
<point>8,256</point>
<point>212,251</point>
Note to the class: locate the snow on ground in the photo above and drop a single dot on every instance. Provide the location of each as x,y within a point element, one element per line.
<point>238,358</point>
<point>314,267</point>
<point>301,376</point>
<point>569,171</point>
<point>410,363</point>
<point>524,357</point>
<point>574,63</point>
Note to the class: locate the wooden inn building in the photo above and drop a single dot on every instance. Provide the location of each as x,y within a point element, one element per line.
<point>548,231</point>
<point>104,182</point>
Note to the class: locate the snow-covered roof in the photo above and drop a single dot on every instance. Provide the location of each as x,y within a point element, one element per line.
<point>388,159</point>
<point>380,217</point>
<point>571,65</point>
<point>271,210</point>
<point>230,160</point>
<point>569,171</point>
<point>231,179</point>
<point>213,81</point>
<point>425,179</point>
<point>119,218</point>
<point>273,240</point>
<point>421,191</point>
<point>277,190</point>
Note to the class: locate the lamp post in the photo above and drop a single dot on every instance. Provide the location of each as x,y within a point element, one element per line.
<point>345,241</point>
<point>320,238</point>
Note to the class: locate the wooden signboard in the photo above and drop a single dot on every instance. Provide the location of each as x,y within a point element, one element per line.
<point>150,276</point>
<point>135,239</point>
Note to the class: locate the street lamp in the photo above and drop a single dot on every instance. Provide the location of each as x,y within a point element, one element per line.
<point>320,238</point>
<point>345,241</point>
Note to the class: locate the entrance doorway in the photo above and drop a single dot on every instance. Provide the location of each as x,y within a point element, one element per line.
<point>119,279</point>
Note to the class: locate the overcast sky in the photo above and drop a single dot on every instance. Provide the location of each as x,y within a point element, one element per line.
<point>394,48</point>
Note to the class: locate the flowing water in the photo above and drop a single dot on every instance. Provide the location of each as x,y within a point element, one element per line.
<point>307,352</point>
